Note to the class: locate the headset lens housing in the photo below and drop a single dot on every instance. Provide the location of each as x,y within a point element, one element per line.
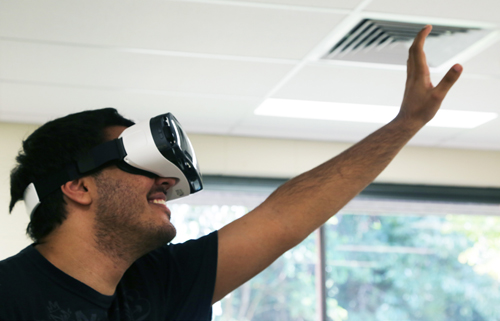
<point>174,145</point>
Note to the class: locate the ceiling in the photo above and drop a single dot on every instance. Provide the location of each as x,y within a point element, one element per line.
<point>213,62</point>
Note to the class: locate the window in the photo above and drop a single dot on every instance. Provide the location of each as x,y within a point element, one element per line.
<point>285,290</point>
<point>420,257</point>
<point>413,261</point>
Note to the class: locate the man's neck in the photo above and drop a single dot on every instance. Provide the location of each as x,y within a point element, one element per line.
<point>82,261</point>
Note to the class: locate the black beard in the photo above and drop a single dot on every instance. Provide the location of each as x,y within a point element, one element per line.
<point>119,232</point>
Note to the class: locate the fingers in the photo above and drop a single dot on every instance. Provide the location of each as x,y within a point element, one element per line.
<point>417,63</point>
<point>420,38</point>
<point>448,81</point>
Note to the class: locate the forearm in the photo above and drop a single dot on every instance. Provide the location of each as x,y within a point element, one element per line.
<point>304,203</point>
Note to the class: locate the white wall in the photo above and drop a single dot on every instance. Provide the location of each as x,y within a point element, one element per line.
<point>12,227</point>
<point>240,156</point>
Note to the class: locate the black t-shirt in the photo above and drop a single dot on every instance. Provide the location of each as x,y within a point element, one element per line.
<point>174,282</point>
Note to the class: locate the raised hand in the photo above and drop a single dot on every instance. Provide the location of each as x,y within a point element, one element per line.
<point>421,99</point>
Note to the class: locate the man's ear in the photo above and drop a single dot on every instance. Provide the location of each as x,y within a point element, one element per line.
<point>77,191</point>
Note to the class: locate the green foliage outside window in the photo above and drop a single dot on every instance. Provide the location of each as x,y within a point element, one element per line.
<point>410,268</point>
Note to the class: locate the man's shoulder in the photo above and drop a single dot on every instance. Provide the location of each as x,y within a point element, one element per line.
<point>17,261</point>
<point>30,289</point>
<point>15,274</point>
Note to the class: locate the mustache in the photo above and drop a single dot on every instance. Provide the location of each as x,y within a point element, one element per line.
<point>158,189</point>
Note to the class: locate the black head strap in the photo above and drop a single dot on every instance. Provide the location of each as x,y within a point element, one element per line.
<point>97,157</point>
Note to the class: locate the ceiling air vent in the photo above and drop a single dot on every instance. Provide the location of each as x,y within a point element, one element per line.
<point>387,42</point>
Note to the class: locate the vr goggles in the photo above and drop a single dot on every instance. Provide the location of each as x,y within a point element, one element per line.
<point>155,148</point>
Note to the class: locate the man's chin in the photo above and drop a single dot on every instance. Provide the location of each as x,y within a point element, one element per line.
<point>163,237</point>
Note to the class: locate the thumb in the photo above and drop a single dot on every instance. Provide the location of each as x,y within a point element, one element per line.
<point>448,81</point>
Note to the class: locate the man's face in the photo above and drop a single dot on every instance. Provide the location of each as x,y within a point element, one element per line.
<point>131,214</point>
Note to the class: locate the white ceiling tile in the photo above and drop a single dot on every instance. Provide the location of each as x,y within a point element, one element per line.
<point>479,10</point>
<point>283,127</point>
<point>483,137</point>
<point>473,93</point>
<point>169,25</point>
<point>333,4</point>
<point>110,68</point>
<point>325,130</point>
<point>346,85</point>
<point>38,104</point>
<point>384,87</point>
<point>486,62</point>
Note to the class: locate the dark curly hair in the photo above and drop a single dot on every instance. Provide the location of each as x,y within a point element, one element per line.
<point>50,148</point>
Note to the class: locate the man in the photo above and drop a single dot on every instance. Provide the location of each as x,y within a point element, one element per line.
<point>103,255</point>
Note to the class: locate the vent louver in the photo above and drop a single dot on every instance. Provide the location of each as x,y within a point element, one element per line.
<point>387,42</point>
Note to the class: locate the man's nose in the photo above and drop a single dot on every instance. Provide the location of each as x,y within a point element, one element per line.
<point>166,181</point>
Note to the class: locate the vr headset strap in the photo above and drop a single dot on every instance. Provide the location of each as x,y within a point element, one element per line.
<point>100,155</point>
<point>97,157</point>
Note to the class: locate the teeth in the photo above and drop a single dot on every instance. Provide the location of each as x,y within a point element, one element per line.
<point>159,201</point>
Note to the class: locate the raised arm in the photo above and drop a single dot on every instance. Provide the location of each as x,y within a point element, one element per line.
<point>249,244</point>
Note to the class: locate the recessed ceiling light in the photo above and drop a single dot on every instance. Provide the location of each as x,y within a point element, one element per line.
<point>365,113</point>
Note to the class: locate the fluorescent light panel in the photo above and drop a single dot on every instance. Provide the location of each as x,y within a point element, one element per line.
<point>365,113</point>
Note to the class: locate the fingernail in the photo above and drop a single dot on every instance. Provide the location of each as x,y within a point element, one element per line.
<point>458,68</point>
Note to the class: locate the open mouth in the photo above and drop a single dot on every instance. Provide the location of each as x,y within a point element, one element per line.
<point>161,202</point>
